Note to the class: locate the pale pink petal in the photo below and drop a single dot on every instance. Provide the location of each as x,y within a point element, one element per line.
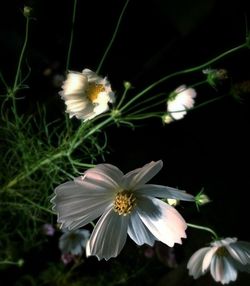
<point>108,236</point>
<point>138,232</point>
<point>106,175</point>
<point>222,270</point>
<point>140,176</point>
<point>162,220</point>
<point>195,262</point>
<point>79,204</point>
<point>208,257</point>
<point>164,192</point>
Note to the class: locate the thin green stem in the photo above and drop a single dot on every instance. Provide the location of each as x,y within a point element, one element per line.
<point>34,204</point>
<point>35,167</point>
<point>189,70</point>
<point>215,236</point>
<point>71,35</point>
<point>113,37</point>
<point>21,55</point>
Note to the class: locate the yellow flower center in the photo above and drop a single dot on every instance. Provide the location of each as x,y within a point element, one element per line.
<point>222,251</point>
<point>124,203</point>
<point>93,91</point>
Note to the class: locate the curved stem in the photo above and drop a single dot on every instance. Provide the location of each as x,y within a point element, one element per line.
<point>189,70</point>
<point>113,37</point>
<point>71,35</point>
<point>215,236</point>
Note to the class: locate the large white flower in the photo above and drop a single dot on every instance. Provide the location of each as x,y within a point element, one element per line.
<point>73,242</point>
<point>179,102</point>
<point>223,258</point>
<point>125,203</point>
<point>86,94</point>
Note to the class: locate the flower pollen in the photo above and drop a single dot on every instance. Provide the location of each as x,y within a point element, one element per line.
<point>124,203</point>
<point>94,90</point>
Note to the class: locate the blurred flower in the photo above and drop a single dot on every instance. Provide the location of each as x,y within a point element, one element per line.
<point>224,258</point>
<point>127,205</point>
<point>215,76</point>
<point>74,242</point>
<point>48,229</point>
<point>27,11</point>
<point>68,258</point>
<point>149,252</point>
<point>178,103</point>
<point>172,202</point>
<point>165,254</point>
<point>201,199</point>
<point>86,94</point>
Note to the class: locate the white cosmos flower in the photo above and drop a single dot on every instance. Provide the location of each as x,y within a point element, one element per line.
<point>86,94</point>
<point>179,102</point>
<point>125,203</point>
<point>74,242</point>
<point>223,258</point>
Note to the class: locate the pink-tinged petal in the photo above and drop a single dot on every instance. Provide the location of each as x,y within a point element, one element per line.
<point>108,236</point>
<point>208,257</point>
<point>105,175</point>
<point>162,220</point>
<point>138,232</point>
<point>222,270</point>
<point>195,262</point>
<point>240,251</point>
<point>140,176</point>
<point>164,192</point>
<point>79,204</point>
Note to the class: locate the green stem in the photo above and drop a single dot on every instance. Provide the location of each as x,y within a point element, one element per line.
<point>189,70</point>
<point>21,55</point>
<point>113,37</point>
<point>24,175</point>
<point>215,236</point>
<point>71,35</point>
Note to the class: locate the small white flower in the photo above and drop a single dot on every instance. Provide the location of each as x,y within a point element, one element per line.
<point>86,94</point>
<point>223,258</point>
<point>179,102</point>
<point>73,242</point>
<point>125,203</point>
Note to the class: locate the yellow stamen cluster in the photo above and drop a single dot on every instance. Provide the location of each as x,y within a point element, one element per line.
<point>124,203</point>
<point>94,90</point>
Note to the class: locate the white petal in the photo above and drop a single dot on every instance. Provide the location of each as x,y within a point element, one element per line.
<point>240,251</point>
<point>195,262</point>
<point>222,270</point>
<point>138,232</point>
<point>92,76</point>
<point>75,82</point>
<point>140,176</point>
<point>106,175</point>
<point>109,235</point>
<point>164,192</point>
<point>208,257</point>
<point>163,221</point>
<point>77,205</point>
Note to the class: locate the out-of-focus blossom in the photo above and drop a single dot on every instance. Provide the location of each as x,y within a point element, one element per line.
<point>179,102</point>
<point>74,242</point>
<point>68,258</point>
<point>215,76</point>
<point>166,254</point>
<point>48,229</point>
<point>125,203</point>
<point>223,258</point>
<point>86,94</point>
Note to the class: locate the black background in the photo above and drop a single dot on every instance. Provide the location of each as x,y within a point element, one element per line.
<point>209,148</point>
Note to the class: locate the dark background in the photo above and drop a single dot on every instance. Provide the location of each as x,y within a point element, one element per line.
<point>209,148</point>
